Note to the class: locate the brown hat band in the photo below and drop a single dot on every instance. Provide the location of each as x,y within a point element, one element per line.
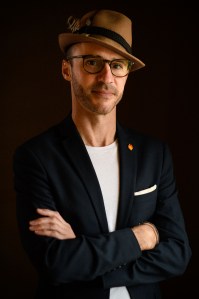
<point>107,33</point>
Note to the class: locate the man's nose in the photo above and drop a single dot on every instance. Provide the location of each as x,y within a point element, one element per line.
<point>106,73</point>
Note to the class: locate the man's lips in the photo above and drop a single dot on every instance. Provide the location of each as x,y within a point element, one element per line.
<point>103,92</point>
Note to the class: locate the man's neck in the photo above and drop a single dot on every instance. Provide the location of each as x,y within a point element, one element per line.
<point>96,130</point>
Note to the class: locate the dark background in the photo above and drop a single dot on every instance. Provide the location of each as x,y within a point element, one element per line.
<point>160,99</point>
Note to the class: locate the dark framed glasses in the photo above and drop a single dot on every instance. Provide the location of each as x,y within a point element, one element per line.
<point>95,64</point>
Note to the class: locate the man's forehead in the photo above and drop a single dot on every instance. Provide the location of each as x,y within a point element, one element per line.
<point>93,49</point>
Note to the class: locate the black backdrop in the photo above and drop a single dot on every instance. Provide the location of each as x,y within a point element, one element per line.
<point>160,99</point>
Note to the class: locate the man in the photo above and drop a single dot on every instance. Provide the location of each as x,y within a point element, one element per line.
<point>97,205</point>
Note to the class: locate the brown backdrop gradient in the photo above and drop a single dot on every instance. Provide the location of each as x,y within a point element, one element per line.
<point>160,99</point>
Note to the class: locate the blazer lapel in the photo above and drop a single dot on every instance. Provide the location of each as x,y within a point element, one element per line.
<point>128,170</point>
<point>77,153</point>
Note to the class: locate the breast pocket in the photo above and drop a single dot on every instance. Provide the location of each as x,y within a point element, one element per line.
<point>144,204</point>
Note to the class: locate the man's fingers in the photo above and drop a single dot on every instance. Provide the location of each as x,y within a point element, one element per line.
<point>50,213</point>
<point>49,233</point>
<point>47,212</point>
<point>52,225</point>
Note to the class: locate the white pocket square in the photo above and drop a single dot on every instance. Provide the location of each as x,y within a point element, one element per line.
<point>144,191</point>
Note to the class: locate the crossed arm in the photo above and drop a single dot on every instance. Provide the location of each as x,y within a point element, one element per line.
<point>51,224</point>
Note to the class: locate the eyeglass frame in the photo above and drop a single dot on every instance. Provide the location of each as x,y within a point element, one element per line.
<point>130,63</point>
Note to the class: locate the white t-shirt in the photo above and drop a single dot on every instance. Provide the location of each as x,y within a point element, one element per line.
<point>106,164</point>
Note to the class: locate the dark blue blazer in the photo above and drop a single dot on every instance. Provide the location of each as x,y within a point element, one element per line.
<point>54,171</point>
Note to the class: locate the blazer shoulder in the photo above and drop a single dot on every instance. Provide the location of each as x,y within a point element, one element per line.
<point>44,139</point>
<point>143,138</point>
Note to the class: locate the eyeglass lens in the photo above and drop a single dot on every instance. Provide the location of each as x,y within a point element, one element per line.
<point>119,67</point>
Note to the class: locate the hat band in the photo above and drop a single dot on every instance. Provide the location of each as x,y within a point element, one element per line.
<point>107,33</point>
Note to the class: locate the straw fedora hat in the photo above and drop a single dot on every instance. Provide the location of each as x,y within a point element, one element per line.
<point>107,28</point>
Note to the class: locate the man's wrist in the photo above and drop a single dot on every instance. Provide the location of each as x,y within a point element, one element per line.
<point>154,229</point>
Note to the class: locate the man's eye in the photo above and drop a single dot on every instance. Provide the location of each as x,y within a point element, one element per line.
<point>117,65</point>
<point>92,62</point>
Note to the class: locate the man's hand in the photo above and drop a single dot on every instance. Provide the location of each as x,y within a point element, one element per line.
<point>146,235</point>
<point>51,224</point>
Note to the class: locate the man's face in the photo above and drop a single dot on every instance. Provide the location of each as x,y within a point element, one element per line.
<point>97,93</point>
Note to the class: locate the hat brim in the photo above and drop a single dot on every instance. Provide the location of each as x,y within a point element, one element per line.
<point>67,39</point>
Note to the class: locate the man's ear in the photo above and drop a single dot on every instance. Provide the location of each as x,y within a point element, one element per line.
<point>66,70</point>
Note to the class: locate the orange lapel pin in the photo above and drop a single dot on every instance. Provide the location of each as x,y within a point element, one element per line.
<point>130,146</point>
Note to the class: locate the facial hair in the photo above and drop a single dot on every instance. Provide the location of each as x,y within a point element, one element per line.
<point>89,100</point>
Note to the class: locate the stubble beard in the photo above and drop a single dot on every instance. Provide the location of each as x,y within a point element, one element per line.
<point>85,99</point>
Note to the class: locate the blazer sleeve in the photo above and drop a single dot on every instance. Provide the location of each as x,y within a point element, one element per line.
<point>171,256</point>
<point>81,259</point>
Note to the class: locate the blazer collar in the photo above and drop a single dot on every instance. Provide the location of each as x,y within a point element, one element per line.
<point>128,170</point>
<point>78,155</point>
